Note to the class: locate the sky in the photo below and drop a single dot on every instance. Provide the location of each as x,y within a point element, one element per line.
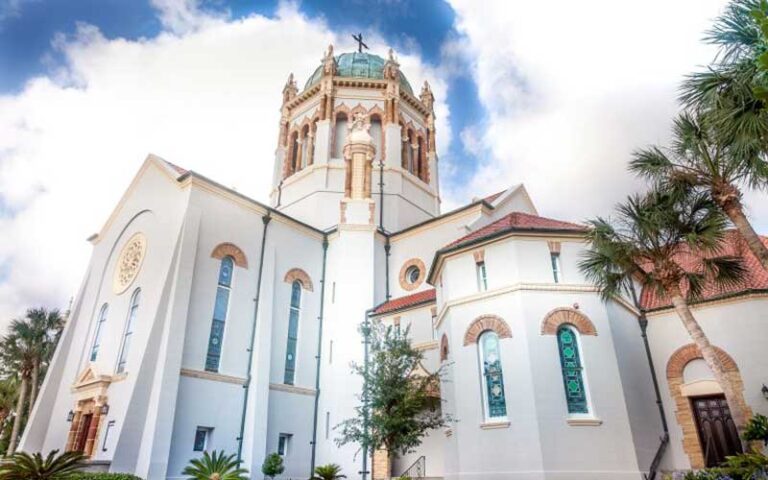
<point>553,94</point>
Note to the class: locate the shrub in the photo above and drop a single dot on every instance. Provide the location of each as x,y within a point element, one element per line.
<point>757,429</point>
<point>273,465</point>
<point>217,466</point>
<point>102,476</point>
<point>25,466</point>
<point>328,472</point>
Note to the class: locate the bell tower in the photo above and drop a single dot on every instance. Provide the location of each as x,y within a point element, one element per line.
<point>356,105</point>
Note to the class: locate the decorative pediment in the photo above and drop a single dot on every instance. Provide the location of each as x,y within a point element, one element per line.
<point>92,382</point>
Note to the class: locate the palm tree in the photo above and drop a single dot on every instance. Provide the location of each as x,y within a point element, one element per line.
<point>699,160</point>
<point>46,327</point>
<point>328,472</point>
<point>23,466</point>
<point>19,353</point>
<point>214,467</point>
<point>647,242</point>
<point>732,89</point>
<point>8,392</point>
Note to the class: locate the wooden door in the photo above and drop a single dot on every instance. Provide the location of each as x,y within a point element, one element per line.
<point>717,432</point>
<point>82,435</point>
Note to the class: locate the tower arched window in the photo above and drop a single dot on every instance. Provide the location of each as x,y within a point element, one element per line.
<point>421,170</point>
<point>340,135</point>
<point>409,152</point>
<point>220,310</point>
<point>294,311</point>
<point>99,331</point>
<point>305,140</point>
<point>130,324</point>
<point>495,404</point>
<point>376,134</point>
<point>294,153</point>
<point>573,375</point>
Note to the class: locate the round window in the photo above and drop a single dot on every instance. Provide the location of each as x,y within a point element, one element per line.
<point>412,274</point>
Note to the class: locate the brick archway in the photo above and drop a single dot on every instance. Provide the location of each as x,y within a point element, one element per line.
<point>295,274</point>
<point>683,411</point>
<point>483,323</point>
<point>227,249</point>
<point>567,316</point>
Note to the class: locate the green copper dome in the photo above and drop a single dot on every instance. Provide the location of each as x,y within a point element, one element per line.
<point>358,65</point>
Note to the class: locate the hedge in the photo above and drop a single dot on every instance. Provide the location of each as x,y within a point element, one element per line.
<point>102,476</point>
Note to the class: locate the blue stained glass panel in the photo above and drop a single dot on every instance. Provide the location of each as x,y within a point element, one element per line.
<point>293,334</point>
<point>214,346</point>
<point>222,302</point>
<point>570,362</point>
<point>225,272</point>
<point>494,377</point>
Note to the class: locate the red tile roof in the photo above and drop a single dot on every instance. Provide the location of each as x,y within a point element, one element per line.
<point>517,221</point>
<point>756,278</point>
<point>400,303</point>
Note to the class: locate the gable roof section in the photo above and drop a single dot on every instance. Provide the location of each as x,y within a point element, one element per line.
<point>755,280</point>
<point>423,297</point>
<point>517,221</point>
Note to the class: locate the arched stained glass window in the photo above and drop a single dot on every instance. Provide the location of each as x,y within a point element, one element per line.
<point>99,330</point>
<point>570,362</point>
<point>493,377</point>
<point>220,309</point>
<point>293,333</point>
<point>128,334</point>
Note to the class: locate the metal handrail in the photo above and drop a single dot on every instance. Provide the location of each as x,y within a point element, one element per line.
<point>417,469</point>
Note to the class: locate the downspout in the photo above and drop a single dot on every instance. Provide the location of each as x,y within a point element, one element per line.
<point>279,193</point>
<point>317,357</point>
<point>247,385</point>
<point>643,322</point>
<point>366,342</point>
<point>381,195</point>
<point>387,248</point>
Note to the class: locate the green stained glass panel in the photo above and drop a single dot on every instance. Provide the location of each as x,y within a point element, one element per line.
<point>573,380</point>
<point>494,378</point>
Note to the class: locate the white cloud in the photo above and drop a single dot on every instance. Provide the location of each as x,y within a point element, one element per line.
<point>572,88</point>
<point>207,99</point>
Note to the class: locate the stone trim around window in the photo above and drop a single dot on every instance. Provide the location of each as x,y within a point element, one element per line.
<point>683,410</point>
<point>484,323</point>
<point>414,262</point>
<point>567,316</point>
<point>227,249</point>
<point>298,274</point>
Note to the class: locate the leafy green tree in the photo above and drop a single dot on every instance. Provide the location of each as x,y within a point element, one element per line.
<point>8,393</point>
<point>46,327</point>
<point>398,404</point>
<point>216,466</point>
<point>18,358</point>
<point>273,465</point>
<point>328,472</point>
<point>23,466</point>
<point>646,243</point>
<point>700,162</point>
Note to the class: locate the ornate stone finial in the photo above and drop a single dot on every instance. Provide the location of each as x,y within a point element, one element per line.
<point>391,67</point>
<point>290,89</point>
<point>329,63</point>
<point>427,98</point>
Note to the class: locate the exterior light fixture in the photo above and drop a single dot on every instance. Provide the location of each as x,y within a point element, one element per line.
<point>104,409</point>
<point>765,391</point>
<point>70,416</point>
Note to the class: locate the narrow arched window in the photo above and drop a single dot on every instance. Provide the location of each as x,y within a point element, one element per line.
<point>376,134</point>
<point>573,377</point>
<point>294,153</point>
<point>340,135</point>
<point>410,153</point>
<point>293,333</point>
<point>130,324</point>
<point>99,330</point>
<point>492,376</point>
<point>304,148</point>
<point>220,309</point>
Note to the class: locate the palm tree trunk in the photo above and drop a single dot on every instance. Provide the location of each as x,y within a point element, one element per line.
<point>33,386</point>
<point>710,357</point>
<point>735,211</point>
<point>17,419</point>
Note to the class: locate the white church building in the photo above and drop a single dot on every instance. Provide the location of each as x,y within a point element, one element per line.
<point>209,321</point>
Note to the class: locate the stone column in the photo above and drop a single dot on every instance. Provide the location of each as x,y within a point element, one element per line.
<point>359,152</point>
<point>381,465</point>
